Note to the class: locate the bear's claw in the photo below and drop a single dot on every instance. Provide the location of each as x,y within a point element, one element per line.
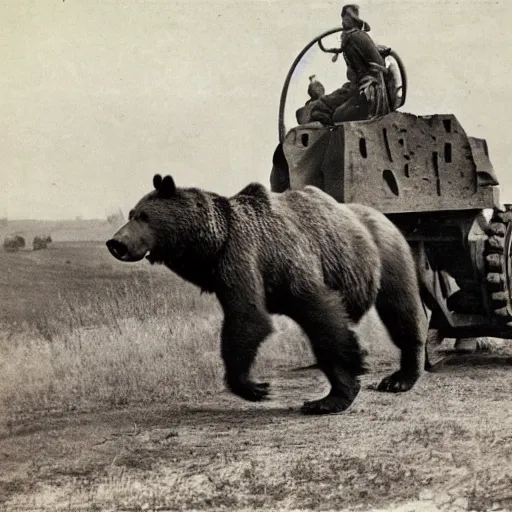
<point>251,391</point>
<point>397,383</point>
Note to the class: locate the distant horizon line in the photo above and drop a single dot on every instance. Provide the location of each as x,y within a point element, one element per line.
<point>67,219</point>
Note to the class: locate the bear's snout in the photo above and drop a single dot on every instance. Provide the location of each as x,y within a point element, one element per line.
<point>118,249</point>
<point>130,243</point>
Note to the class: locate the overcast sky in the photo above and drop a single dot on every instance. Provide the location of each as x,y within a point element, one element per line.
<point>97,96</point>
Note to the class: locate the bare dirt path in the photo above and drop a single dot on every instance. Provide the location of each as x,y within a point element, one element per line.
<point>446,445</point>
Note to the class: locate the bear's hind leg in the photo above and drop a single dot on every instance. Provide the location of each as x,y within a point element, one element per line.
<point>323,318</point>
<point>402,314</point>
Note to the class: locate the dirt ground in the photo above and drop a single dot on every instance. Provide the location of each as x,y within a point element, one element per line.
<point>446,445</point>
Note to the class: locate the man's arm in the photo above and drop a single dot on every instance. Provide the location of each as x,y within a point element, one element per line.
<point>366,47</point>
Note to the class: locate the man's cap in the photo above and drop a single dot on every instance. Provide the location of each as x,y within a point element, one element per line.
<point>353,11</point>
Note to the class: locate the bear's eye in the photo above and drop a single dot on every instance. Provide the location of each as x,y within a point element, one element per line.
<point>143,217</point>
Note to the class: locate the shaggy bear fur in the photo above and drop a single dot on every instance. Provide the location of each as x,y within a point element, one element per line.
<point>298,253</point>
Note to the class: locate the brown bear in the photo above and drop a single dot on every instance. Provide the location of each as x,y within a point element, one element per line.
<point>296,253</point>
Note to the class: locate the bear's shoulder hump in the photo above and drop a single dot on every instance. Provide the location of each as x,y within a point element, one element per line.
<point>254,189</point>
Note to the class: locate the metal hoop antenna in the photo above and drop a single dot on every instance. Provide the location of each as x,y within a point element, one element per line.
<point>286,85</point>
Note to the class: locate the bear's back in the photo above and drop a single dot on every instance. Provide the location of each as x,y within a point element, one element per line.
<point>310,217</point>
<point>321,215</point>
<point>309,234</point>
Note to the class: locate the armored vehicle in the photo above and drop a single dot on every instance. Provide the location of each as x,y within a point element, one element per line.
<point>435,182</point>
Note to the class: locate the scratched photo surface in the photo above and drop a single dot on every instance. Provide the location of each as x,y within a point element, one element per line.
<point>112,390</point>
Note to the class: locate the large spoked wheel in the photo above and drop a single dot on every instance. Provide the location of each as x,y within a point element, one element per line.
<point>284,92</point>
<point>498,261</point>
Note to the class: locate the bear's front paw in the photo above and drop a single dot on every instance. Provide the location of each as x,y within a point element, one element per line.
<point>249,390</point>
<point>397,383</point>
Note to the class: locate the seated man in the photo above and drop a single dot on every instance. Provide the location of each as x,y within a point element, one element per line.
<point>315,90</point>
<point>365,95</point>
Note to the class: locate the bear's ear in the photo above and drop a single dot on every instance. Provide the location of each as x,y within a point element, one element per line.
<point>157,181</point>
<point>167,188</point>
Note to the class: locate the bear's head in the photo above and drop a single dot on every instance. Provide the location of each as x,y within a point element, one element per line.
<point>157,224</point>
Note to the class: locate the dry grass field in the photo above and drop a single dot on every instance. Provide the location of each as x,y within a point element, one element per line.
<point>111,399</point>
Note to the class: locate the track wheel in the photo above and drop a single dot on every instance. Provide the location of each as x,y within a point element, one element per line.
<point>498,264</point>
